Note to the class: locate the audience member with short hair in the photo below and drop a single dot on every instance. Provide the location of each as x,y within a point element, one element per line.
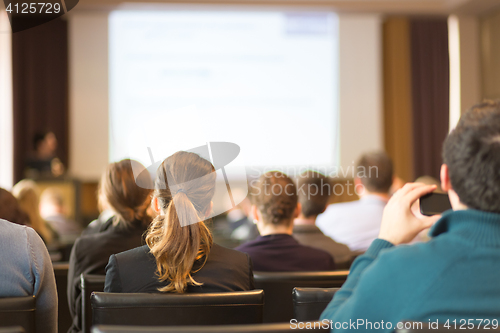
<point>26,270</point>
<point>10,209</point>
<point>275,206</point>
<point>54,210</point>
<point>121,232</point>
<point>28,196</point>
<point>180,255</point>
<point>357,223</point>
<point>314,192</point>
<point>453,277</point>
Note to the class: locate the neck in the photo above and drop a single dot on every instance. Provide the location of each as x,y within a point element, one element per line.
<point>305,220</point>
<point>271,229</point>
<point>384,196</point>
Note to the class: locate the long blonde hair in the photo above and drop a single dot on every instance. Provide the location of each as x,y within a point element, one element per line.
<point>27,194</point>
<point>178,237</point>
<point>119,191</point>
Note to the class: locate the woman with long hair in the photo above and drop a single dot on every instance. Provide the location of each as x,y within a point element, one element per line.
<point>180,255</point>
<point>27,194</point>
<point>118,191</point>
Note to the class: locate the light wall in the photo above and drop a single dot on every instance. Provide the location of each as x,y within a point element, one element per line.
<point>88,94</point>
<point>360,90</point>
<point>6,121</point>
<point>490,55</point>
<point>360,61</point>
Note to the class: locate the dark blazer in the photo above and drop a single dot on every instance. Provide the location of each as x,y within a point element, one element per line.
<point>134,271</point>
<point>90,254</point>
<point>282,253</point>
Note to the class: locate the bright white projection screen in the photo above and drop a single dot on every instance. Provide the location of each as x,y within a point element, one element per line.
<point>264,80</point>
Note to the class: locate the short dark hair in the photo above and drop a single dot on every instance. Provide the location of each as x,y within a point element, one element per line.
<point>38,138</point>
<point>275,196</point>
<point>378,180</point>
<point>314,192</point>
<point>472,153</point>
<point>481,114</point>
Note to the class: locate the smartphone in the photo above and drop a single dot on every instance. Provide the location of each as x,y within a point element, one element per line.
<point>434,203</point>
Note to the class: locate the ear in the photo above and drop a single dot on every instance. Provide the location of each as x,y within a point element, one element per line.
<point>357,181</point>
<point>155,205</point>
<point>297,211</point>
<point>209,209</point>
<point>445,178</point>
<point>255,213</point>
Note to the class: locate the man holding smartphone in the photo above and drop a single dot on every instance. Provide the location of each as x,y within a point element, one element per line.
<point>453,278</point>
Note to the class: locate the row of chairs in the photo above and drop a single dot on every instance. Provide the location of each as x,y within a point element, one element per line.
<point>115,311</point>
<point>278,290</point>
<point>278,306</point>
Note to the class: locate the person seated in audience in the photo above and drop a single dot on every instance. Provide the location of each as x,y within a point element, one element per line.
<point>275,206</point>
<point>314,192</point>
<point>123,231</point>
<point>53,209</point>
<point>357,223</point>
<point>27,194</point>
<point>241,227</point>
<point>26,270</point>
<point>179,255</point>
<point>10,210</point>
<point>44,162</point>
<point>453,277</point>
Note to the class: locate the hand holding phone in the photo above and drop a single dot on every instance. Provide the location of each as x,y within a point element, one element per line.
<point>400,224</point>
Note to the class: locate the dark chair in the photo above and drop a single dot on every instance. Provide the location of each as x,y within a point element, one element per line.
<point>278,289</point>
<point>13,329</point>
<point>64,319</point>
<point>229,308</point>
<point>18,311</point>
<point>309,303</point>
<point>257,328</point>
<point>89,284</point>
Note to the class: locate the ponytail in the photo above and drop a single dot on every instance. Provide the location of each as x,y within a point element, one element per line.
<point>178,238</point>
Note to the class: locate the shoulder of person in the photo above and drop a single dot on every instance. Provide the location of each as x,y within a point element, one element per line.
<point>138,253</point>
<point>223,253</point>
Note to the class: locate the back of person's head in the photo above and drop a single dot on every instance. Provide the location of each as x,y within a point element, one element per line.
<point>472,154</point>
<point>183,191</point>
<point>10,209</point>
<point>314,192</point>
<point>480,114</point>
<point>375,170</point>
<point>52,202</point>
<point>118,190</point>
<point>275,196</point>
<point>429,180</point>
<point>28,196</point>
<point>38,139</point>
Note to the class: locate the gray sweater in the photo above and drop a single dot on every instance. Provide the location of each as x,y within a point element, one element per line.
<point>25,270</point>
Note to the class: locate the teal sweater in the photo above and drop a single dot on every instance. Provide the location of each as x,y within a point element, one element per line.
<point>454,276</point>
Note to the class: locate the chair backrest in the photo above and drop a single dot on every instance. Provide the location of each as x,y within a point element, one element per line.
<point>89,284</point>
<point>12,329</point>
<point>309,303</point>
<point>18,311</point>
<point>257,328</point>
<point>64,319</point>
<point>142,309</point>
<point>278,289</point>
